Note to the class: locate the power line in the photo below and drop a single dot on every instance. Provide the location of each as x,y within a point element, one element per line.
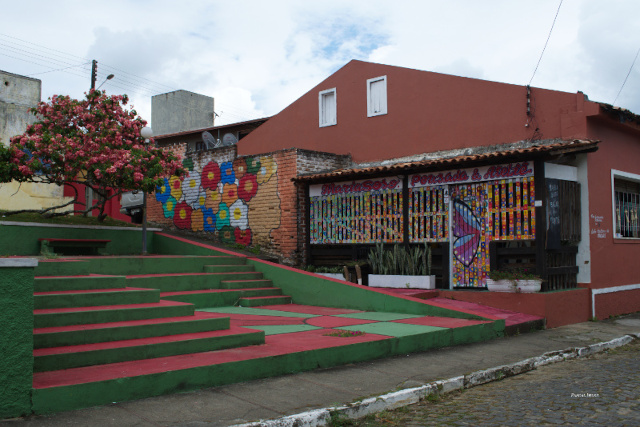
<point>59,69</point>
<point>625,79</point>
<point>545,43</point>
<point>59,61</point>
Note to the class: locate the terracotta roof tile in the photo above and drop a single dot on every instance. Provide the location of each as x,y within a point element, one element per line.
<point>554,148</point>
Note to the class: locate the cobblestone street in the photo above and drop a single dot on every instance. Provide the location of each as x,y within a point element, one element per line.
<point>601,390</point>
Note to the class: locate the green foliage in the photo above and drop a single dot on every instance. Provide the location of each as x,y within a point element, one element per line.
<point>8,169</point>
<point>414,261</point>
<point>512,274</point>
<point>323,269</point>
<point>68,219</point>
<point>94,142</point>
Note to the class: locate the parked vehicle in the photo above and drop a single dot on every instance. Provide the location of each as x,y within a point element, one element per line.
<point>132,204</point>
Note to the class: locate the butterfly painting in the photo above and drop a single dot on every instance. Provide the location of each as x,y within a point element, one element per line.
<point>466,230</point>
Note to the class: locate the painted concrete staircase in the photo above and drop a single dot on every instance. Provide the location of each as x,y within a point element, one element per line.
<point>120,328</point>
<point>144,309</point>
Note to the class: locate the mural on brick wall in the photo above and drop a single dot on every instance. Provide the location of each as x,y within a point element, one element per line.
<point>219,197</point>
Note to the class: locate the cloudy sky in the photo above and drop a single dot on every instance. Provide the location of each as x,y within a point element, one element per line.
<point>255,57</point>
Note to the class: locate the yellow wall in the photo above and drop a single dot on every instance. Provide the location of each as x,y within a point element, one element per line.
<point>14,196</point>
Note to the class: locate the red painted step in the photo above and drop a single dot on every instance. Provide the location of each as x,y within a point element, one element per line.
<point>275,345</point>
<point>89,291</point>
<point>196,316</point>
<point>214,291</point>
<point>108,307</point>
<point>71,349</point>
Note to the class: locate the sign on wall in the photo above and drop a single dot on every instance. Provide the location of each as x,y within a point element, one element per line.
<point>471,175</point>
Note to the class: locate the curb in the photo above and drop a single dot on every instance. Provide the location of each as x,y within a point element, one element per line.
<point>394,400</point>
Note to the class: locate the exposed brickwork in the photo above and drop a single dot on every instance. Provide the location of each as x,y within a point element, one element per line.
<point>272,217</point>
<point>312,162</point>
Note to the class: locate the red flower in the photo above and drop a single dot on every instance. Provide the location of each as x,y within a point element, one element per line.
<point>247,187</point>
<point>210,176</point>
<point>243,236</point>
<point>182,216</point>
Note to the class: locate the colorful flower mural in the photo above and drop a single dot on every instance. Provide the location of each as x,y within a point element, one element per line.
<point>216,197</point>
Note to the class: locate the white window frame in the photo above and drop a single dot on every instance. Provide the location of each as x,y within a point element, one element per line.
<point>628,177</point>
<point>371,112</point>
<point>322,105</point>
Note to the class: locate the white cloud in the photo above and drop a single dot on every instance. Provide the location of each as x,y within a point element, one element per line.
<point>257,57</point>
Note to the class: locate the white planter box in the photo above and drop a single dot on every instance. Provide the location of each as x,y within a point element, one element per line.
<point>338,276</point>
<point>525,286</point>
<point>528,286</point>
<point>500,286</point>
<point>398,281</point>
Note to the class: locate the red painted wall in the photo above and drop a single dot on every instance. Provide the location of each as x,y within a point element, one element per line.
<point>112,207</point>
<point>616,303</point>
<point>426,112</point>
<point>614,262</point>
<point>558,308</point>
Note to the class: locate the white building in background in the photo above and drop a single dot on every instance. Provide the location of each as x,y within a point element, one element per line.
<point>18,94</point>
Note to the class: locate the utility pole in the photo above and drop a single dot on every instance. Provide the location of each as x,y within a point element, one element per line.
<point>94,73</point>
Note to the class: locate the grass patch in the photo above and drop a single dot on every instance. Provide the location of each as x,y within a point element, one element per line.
<point>67,219</point>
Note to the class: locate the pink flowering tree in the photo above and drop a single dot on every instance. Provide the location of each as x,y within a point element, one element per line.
<point>94,142</point>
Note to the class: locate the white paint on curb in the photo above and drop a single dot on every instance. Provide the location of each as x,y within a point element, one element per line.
<point>397,399</point>
<point>18,262</point>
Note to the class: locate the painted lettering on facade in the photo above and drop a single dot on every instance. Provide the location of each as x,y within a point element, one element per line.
<point>463,176</point>
<point>354,187</point>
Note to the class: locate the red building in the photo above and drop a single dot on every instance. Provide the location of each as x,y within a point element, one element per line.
<point>487,173</point>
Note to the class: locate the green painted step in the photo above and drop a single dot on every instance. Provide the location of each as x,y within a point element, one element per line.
<point>159,265</point>
<point>79,316</point>
<point>64,267</point>
<point>73,283</point>
<point>219,298</point>
<point>243,284</point>
<point>228,268</point>
<point>52,359</point>
<point>262,301</point>
<point>187,282</point>
<point>68,299</point>
<point>53,392</point>
<point>116,331</point>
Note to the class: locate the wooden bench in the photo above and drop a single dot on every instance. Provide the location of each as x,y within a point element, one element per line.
<point>72,246</point>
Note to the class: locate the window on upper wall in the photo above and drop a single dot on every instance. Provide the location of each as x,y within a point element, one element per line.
<point>626,204</point>
<point>377,96</point>
<point>327,107</point>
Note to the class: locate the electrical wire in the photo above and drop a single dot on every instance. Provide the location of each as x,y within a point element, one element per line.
<point>545,43</point>
<point>58,61</point>
<point>59,69</point>
<point>625,79</point>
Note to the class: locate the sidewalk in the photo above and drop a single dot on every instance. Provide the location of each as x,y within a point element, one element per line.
<point>292,394</point>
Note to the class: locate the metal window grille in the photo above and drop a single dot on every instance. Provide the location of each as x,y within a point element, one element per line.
<point>627,214</point>
<point>627,202</point>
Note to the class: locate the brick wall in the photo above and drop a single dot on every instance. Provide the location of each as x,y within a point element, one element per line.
<point>312,162</point>
<point>249,200</point>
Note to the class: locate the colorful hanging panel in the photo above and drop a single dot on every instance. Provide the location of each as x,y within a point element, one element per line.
<point>358,212</point>
<point>429,214</point>
<point>470,241</point>
<point>511,209</point>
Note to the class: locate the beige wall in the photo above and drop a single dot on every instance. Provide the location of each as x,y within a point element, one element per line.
<point>17,95</point>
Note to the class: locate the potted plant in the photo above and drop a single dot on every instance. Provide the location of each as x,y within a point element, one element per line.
<point>501,281</point>
<point>528,282</point>
<point>401,268</point>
